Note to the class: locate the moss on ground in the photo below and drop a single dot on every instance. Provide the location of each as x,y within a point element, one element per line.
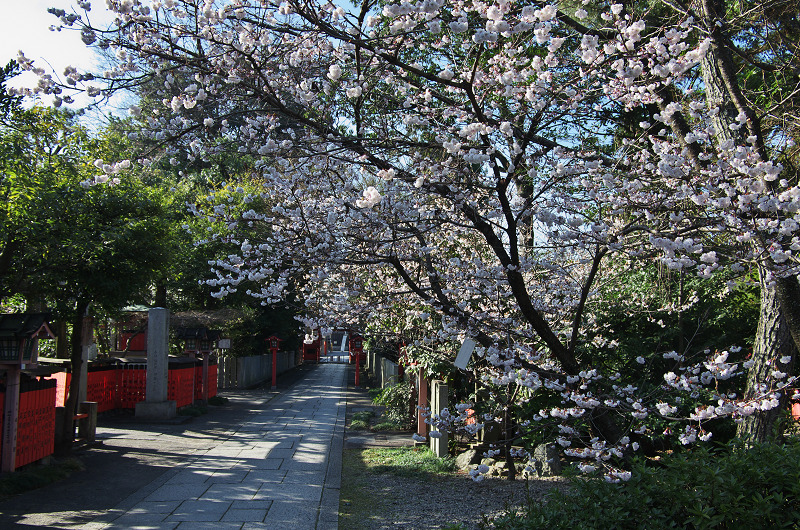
<point>36,476</point>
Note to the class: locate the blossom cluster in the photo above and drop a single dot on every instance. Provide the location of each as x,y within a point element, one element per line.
<point>459,169</point>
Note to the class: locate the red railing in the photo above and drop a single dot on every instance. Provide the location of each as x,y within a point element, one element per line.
<point>119,386</point>
<point>131,386</point>
<point>36,422</point>
<point>123,386</point>
<point>180,386</point>
<point>101,386</point>
<point>212,379</point>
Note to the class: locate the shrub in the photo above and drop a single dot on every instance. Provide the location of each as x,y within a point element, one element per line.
<point>732,488</point>
<point>192,410</point>
<point>360,420</point>
<point>399,402</point>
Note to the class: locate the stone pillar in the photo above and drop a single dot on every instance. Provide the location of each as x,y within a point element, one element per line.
<point>156,406</point>
<point>438,403</point>
<point>88,339</point>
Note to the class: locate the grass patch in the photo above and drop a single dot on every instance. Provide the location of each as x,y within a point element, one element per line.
<point>359,505</point>
<point>217,400</point>
<point>362,506</point>
<point>363,415</point>
<point>406,461</point>
<point>37,476</point>
<point>387,426</point>
<point>360,421</point>
<point>193,410</point>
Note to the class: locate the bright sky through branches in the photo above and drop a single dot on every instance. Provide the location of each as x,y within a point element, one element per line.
<point>27,29</point>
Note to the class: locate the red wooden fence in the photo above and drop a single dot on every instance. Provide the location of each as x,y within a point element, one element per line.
<point>118,386</point>
<point>36,424</point>
<point>131,386</point>
<point>123,386</point>
<point>180,386</point>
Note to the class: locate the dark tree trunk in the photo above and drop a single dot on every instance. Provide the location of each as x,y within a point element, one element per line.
<point>788,292</point>
<point>161,295</point>
<point>67,428</point>
<point>62,346</point>
<point>508,424</point>
<point>773,341</point>
<point>779,316</point>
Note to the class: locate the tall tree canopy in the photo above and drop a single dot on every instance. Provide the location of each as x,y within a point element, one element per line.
<point>484,162</point>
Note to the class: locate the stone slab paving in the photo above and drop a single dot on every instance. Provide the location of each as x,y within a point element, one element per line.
<point>280,469</point>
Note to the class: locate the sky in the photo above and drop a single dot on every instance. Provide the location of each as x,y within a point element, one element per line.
<point>25,27</point>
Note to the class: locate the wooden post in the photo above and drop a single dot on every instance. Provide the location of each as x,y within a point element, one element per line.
<point>87,427</point>
<point>205,376</point>
<point>10,417</point>
<point>87,334</point>
<point>422,403</point>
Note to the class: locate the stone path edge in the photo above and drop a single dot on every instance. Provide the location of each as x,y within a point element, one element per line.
<point>329,507</point>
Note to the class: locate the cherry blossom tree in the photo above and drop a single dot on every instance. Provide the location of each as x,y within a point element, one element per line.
<point>483,162</point>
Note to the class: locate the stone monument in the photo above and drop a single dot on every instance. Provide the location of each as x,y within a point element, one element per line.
<point>156,406</point>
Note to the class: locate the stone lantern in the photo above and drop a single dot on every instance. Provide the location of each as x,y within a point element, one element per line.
<point>19,334</point>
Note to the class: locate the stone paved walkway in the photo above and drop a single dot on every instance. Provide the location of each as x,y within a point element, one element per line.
<point>280,469</point>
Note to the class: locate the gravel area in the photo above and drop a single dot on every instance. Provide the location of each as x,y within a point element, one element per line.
<point>383,500</point>
<point>440,501</point>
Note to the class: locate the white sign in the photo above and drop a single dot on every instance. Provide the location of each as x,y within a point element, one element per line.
<point>224,344</point>
<point>464,354</point>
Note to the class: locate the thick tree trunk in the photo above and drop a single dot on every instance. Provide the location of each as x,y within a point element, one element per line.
<point>161,295</point>
<point>773,341</point>
<point>62,346</point>
<point>788,293</point>
<point>67,428</point>
<point>779,316</point>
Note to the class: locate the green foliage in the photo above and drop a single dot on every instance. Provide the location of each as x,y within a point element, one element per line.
<point>217,400</point>
<point>8,103</point>
<point>102,243</point>
<point>407,461</point>
<point>61,241</point>
<point>361,419</point>
<point>193,410</point>
<point>737,487</point>
<point>399,402</point>
<point>387,426</point>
